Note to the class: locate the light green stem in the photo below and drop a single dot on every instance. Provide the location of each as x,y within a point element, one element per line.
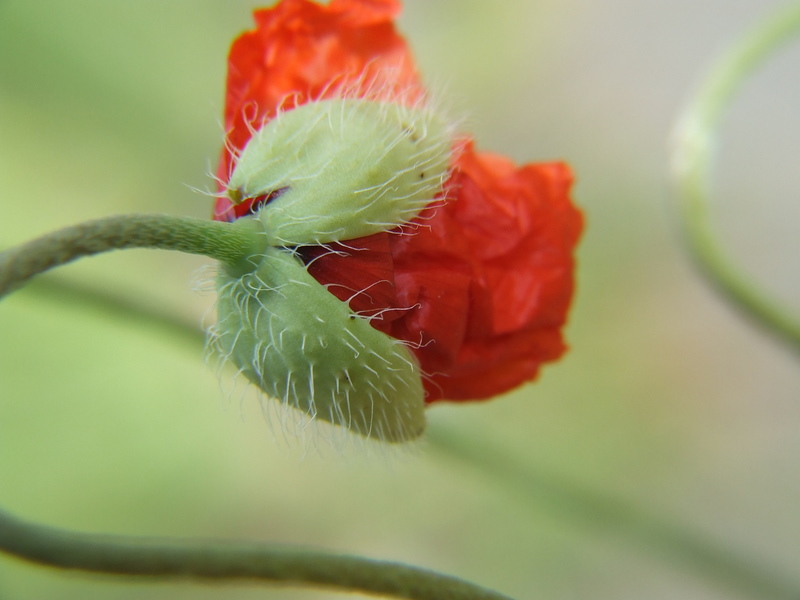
<point>210,560</point>
<point>692,160</point>
<point>226,242</point>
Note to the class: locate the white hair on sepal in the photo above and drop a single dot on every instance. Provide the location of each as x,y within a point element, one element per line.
<point>249,120</point>
<point>349,168</point>
<point>377,315</point>
<point>288,347</point>
<point>357,293</point>
<point>298,432</point>
<point>220,191</point>
<point>299,344</point>
<point>204,278</point>
<point>380,86</point>
<point>230,385</point>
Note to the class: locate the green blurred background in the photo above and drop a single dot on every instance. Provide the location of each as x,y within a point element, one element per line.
<point>667,401</point>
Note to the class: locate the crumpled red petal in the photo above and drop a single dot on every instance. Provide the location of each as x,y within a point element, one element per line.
<point>302,51</point>
<point>479,286</point>
<point>483,284</point>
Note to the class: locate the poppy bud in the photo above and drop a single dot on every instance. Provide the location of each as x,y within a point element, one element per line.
<point>301,345</point>
<point>341,169</point>
<point>322,155</point>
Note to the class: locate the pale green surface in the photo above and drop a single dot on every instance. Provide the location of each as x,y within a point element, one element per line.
<point>303,347</point>
<point>376,166</point>
<point>695,143</point>
<point>666,399</point>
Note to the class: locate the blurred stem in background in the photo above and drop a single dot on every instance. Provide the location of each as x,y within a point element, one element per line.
<point>695,138</point>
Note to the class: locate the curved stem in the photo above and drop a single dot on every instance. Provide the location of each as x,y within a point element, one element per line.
<point>230,243</point>
<point>228,561</point>
<point>692,160</point>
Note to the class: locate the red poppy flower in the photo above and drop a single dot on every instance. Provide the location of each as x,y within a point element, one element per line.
<point>479,285</point>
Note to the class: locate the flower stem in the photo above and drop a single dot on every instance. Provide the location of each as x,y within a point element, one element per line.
<point>228,561</point>
<point>230,243</point>
<point>692,160</point>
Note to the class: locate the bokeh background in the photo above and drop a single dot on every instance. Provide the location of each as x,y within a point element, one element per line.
<point>668,401</point>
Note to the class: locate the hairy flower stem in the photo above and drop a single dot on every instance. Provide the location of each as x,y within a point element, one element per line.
<point>230,243</point>
<point>228,561</point>
<point>692,160</point>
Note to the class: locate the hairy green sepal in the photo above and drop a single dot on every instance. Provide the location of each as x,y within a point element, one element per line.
<point>342,169</point>
<point>301,345</point>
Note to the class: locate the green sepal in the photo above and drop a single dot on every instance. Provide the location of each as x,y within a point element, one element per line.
<point>341,169</point>
<point>301,345</point>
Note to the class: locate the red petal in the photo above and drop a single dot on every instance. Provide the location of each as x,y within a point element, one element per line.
<point>359,271</point>
<point>303,51</point>
<point>509,233</point>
